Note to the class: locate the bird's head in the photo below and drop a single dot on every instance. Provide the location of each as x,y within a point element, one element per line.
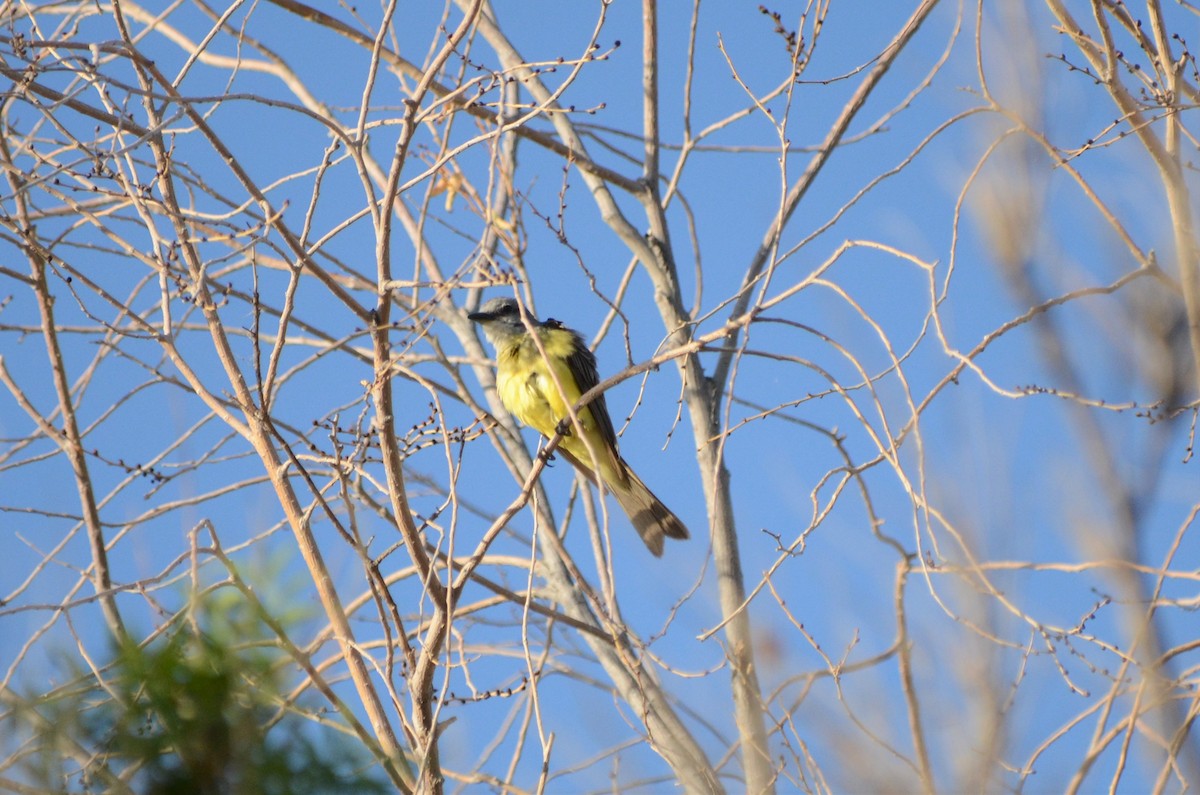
<point>501,319</point>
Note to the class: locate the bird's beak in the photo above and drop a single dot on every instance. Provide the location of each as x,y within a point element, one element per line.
<point>481,317</point>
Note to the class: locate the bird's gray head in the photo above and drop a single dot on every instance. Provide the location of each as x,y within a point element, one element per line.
<point>501,319</point>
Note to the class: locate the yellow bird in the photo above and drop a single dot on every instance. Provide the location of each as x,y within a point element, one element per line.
<point>539,390</point>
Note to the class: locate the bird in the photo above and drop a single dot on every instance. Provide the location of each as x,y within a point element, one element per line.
<point>540,388</point>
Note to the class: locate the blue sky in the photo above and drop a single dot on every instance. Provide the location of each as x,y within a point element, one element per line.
<point>1014,476</point>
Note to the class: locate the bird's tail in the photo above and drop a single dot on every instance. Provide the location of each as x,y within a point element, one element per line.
<point>653,520</point>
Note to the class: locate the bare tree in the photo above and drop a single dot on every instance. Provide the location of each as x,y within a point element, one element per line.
<point>932,442</point>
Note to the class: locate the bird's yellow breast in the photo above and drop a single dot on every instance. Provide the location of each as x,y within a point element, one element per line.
<point>539,389</point>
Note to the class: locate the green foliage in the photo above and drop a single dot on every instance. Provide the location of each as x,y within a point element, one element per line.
<point>199,712</point>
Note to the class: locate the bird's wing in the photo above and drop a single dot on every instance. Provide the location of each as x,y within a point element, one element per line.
<point>582,364</point>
